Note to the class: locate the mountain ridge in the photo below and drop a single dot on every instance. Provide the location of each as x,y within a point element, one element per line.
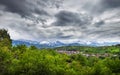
<point>57,43</point>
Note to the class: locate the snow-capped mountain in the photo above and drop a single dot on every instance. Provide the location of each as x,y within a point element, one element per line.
<point>51,44</point>
<point>41,44</point>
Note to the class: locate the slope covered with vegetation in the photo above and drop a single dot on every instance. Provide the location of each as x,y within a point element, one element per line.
<point>23,60</point>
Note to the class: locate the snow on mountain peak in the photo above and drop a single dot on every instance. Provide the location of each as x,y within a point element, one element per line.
<point>44,42</point>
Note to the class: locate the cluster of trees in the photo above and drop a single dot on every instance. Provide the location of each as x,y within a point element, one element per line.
<point>23,60</point>
<point>5,40</point>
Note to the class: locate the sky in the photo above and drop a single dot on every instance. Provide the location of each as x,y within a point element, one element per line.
<point>87,20</point>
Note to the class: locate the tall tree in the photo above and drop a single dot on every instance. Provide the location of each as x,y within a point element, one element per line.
<point>5,40</point>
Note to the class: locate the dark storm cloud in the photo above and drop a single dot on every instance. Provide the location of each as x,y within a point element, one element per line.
<point>106,5</point>
<point>96,7</point>
<point>16,6</point>
<point>67,18</point>
<point>61,35</point>
<point>111,3</point>
<point>99,23</point>
<point>26,7</point>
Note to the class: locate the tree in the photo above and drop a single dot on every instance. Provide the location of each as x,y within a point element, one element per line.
<point>5,40</point>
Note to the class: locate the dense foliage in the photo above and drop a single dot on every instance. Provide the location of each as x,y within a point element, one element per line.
<point>23,60</point>
<point>5,40</point>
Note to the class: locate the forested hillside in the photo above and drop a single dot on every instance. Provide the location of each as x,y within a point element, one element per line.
<point>23,60</point>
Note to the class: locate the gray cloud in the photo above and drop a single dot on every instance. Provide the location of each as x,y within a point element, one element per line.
<point>97,7</point>
<point>28,7</point>
<point>16,6</point>
<point>67,18</point>
<point>106,32</point>
<point>61,19</point>
<point>111,3</point>
<point>106,5</point>
<point>99,23</point>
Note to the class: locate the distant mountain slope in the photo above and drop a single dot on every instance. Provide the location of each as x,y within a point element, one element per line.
<point>51,44</point>
<point>42,44</point>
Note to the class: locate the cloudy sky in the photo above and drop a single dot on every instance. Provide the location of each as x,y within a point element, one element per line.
<point>87,20</point>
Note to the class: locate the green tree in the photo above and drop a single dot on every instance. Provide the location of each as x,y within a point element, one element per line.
<point>5,40</point>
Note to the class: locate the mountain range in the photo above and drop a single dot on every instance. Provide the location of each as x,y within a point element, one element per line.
<point>52,44</point>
